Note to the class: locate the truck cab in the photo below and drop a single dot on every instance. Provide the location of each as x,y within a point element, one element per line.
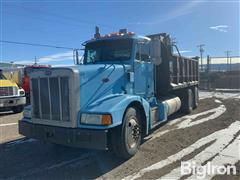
<point>124,86</point>
<point>11,96</point>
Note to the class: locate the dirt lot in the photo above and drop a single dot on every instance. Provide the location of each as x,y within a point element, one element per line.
<point>210,134</point>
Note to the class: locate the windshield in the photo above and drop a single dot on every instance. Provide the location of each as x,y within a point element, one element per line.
<point>108,50</point>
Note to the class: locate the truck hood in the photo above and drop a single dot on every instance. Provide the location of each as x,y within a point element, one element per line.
<point>7,83</point>
<point>99,80</point>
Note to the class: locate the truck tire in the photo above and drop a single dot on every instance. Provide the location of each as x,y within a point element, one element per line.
<point>188,101</point>
<point>126,139</point>
<point>196,97</point>
<point>17,109</point>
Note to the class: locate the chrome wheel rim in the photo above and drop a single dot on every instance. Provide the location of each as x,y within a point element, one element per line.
<point>132,133</point>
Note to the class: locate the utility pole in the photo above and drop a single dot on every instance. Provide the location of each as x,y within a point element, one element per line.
<point>227,53</point>
<point>208,64</point>
<point>201,50</point>
<point>35,61</point>
<point>208,71</point>
<point>230,63</point>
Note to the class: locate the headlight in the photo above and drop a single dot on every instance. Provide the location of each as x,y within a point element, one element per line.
<point>96,119</point>
<point>21,92</point>
<point>27,113</point>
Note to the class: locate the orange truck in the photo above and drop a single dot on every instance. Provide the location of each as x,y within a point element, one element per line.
<point>25,83</point>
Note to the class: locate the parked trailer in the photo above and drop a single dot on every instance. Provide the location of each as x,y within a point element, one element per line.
<point>126,86</point>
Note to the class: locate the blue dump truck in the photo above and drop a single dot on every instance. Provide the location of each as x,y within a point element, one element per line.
<point>125,86</point>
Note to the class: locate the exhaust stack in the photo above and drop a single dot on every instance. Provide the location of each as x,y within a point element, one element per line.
<point>97,33</point>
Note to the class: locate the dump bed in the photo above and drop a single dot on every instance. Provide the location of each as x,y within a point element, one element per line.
<point>175,71</point>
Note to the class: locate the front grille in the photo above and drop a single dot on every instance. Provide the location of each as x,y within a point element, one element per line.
<point>8,91</point>
<point>51,98</point>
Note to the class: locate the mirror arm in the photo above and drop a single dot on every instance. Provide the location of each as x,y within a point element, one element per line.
<point>75,56</point>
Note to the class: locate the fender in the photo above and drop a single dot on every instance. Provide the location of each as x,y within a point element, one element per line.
<point>116,105</point>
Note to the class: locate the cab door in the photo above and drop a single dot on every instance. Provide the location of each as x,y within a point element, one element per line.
<point>143,71</point>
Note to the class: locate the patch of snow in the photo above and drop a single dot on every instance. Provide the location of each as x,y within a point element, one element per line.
<point>229,156</point>
<point>217,148</point>
<point>8,124</point>
<point>233,90</point>
<point>221,95</point>
<point>218,101</point>
<point>188,121</point>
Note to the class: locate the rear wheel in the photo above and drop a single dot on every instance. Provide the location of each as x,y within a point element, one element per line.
<point>18,109</point>
<point>188,101</point>
<point>127,138</point>
<point>196,97</point>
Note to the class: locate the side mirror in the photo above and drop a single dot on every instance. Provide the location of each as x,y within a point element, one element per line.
<point>155,51</point>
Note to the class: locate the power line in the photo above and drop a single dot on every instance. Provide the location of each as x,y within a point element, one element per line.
<point>44,14</point>
<point>50,17</point>
<point>41,45</point>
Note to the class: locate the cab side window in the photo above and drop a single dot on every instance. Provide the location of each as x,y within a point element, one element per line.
<point>143,52</point>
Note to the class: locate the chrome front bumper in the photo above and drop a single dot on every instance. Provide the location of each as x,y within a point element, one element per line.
<point>12,101</point>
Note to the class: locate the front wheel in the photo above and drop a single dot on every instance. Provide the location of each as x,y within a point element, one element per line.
<point>127,138</point>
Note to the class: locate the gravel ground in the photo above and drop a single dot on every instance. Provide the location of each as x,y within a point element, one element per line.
<point>211,133</point>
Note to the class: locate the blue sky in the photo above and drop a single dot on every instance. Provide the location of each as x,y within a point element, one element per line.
<point>69,23</point>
